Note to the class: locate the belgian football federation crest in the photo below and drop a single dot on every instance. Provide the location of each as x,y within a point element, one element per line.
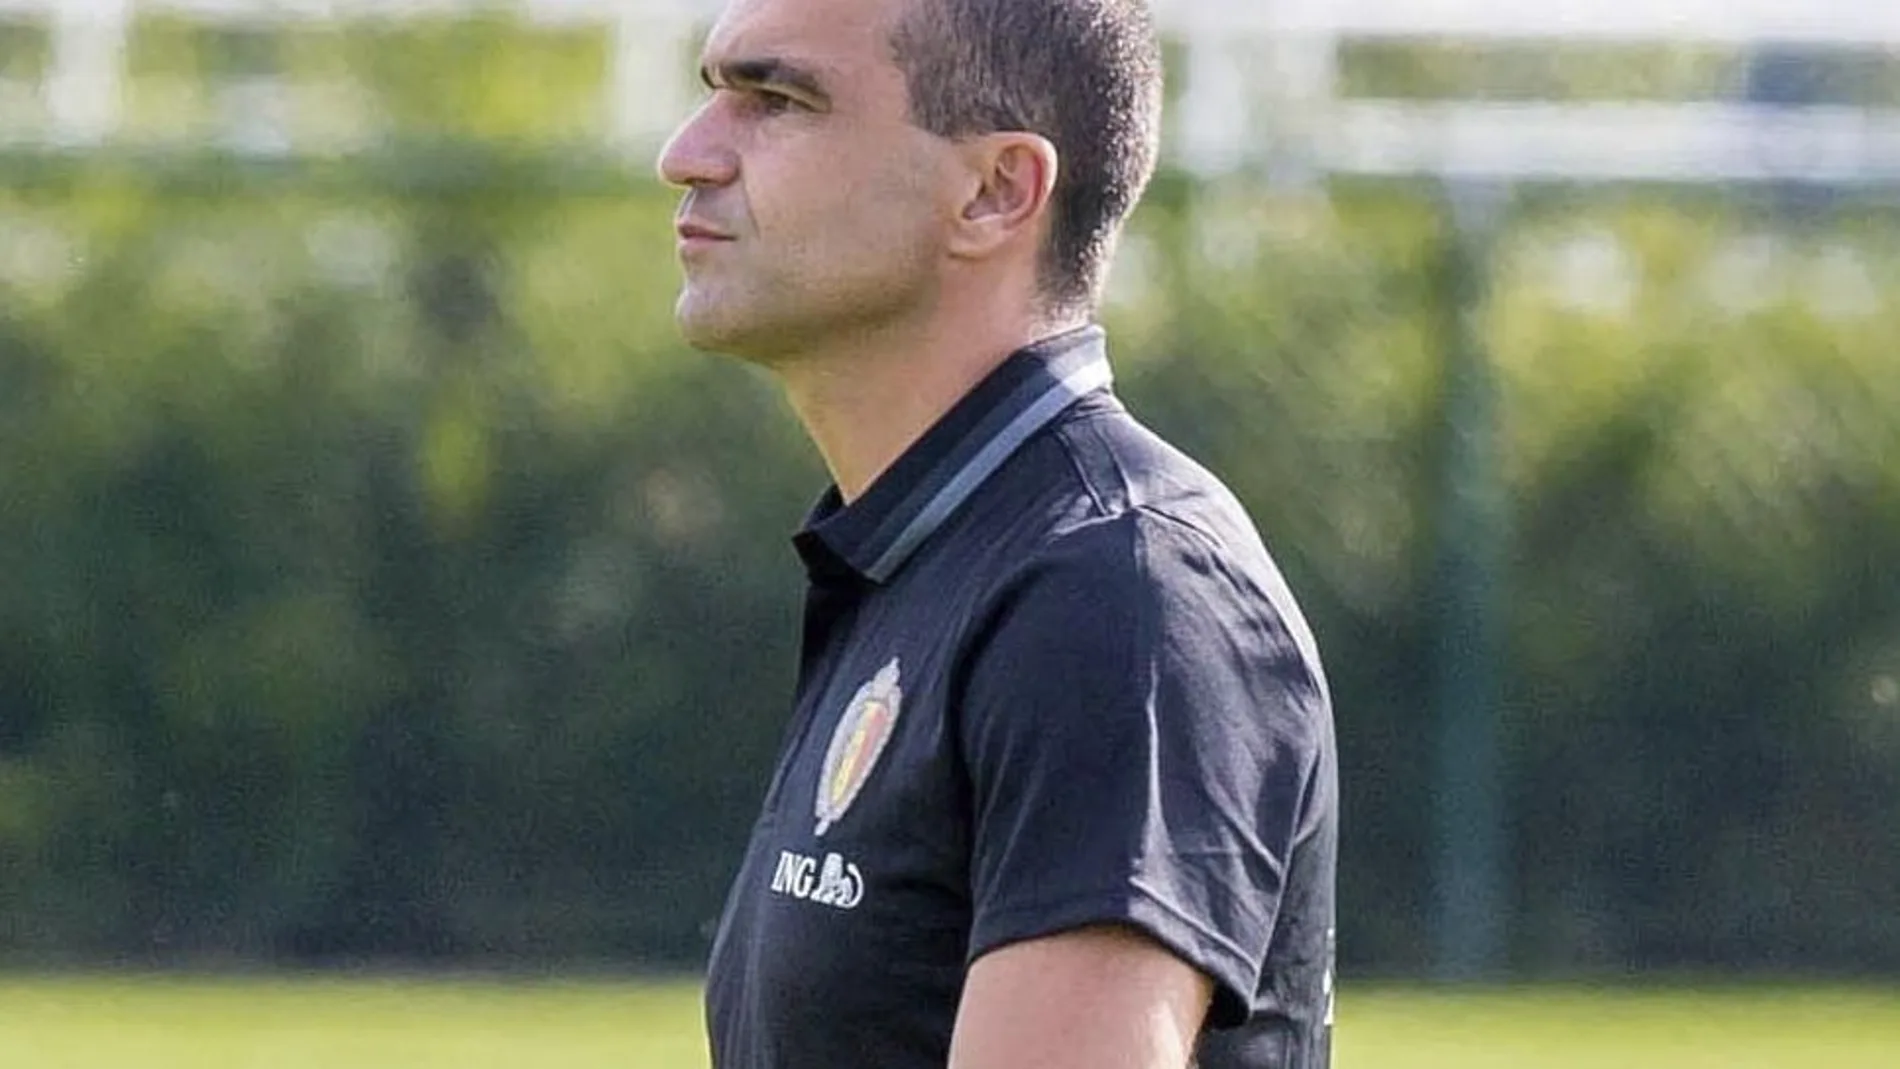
<point>860,738</point>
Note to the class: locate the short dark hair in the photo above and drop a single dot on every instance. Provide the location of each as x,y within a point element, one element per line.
<point>1086,74</point>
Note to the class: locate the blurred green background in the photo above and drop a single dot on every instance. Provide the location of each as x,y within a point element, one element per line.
<point>383,586</point>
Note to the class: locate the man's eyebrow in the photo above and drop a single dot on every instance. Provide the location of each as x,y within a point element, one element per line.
<point>766,73</point>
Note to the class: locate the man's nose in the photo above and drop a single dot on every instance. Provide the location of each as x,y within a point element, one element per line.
<point>698,154</point>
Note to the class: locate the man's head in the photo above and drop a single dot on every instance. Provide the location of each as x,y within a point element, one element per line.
<point>859,159</point>
<point>1085,74</point>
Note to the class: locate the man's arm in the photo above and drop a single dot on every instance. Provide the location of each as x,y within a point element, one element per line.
<point>1102,997</point>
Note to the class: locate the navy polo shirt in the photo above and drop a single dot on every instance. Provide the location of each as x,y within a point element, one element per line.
<point>1050,678</point>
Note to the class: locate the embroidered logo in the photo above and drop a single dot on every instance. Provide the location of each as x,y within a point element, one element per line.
<point>832,882</point>
<point>859,740</point>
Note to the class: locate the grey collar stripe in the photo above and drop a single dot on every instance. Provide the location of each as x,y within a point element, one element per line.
<point>993,423</point>
<point>1079,383</point>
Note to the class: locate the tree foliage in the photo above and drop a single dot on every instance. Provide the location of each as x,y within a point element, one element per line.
<point>379,577</point>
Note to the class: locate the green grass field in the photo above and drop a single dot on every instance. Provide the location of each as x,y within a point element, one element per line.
<point>173,1023</point>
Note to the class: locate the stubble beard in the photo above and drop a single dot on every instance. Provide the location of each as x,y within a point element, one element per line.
<point>771,327</point>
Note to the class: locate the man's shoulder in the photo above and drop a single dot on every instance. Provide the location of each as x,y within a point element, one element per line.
<point>1140,493</point>
<point>1143,531</point>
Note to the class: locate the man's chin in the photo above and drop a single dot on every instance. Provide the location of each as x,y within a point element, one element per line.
<point>700,323</point>
<point>720,330</point>
<point>716,338</point>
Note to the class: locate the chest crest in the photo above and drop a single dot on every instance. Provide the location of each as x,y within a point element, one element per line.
<point>859,740</point>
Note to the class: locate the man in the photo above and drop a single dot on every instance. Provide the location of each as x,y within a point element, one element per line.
<point>1059,787</point>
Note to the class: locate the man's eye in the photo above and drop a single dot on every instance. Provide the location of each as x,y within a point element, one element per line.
<point>775,103</point>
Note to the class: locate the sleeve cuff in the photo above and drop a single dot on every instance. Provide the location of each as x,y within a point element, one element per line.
<point>1235,974</point>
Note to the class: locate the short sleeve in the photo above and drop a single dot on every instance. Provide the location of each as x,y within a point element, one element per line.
<point>1140,729</point>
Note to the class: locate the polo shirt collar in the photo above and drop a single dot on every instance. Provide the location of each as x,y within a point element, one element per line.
<point>874,535</point>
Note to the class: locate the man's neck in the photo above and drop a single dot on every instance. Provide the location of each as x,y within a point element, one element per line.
<point>864,405</point>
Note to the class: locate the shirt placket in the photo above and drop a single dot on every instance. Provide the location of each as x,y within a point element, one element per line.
<point>831,609</point>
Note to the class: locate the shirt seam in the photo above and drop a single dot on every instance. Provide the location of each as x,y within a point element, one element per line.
<point>1278,619</point>
<point>1115,897</point>
<point>1071,454</point>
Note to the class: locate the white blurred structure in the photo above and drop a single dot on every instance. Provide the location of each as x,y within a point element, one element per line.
<point>1260,76</point>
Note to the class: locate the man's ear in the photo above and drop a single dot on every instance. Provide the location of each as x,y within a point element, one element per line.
<point>1012,177</point>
